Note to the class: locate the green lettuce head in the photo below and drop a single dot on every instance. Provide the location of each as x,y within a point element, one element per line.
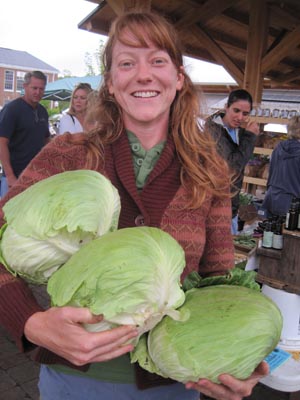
<point>230,329</point>
<point>53,218</point>
<point>131,276</point>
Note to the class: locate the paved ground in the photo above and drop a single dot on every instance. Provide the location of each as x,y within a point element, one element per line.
<point>18,373</point>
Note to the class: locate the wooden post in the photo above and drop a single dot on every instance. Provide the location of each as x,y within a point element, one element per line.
<point>258,29</point>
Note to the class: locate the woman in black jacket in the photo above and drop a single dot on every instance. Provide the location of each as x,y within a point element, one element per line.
<point>234,142</point>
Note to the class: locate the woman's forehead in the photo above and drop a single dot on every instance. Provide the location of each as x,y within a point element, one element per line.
<point>139,37</point>
<point>243,105</point>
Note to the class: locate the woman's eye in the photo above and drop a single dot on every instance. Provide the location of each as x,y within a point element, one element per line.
<point>126,64</point>
<point>158,61</point>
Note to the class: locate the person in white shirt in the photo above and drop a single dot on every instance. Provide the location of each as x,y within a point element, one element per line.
<point>74,119</point>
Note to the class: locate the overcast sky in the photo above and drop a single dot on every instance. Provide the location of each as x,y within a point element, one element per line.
<point>49,31</point>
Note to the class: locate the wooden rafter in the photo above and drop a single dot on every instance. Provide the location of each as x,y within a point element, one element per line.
<point>203,13</point>
<point>223,32</point>
<point>282,50</point>
<point>120,6</point>
<point>291,76</point>
<point>220,56</point>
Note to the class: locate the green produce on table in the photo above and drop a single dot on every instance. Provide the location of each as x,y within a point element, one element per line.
<point>53,218</point>
<point>235,276</point>
<point>245,240</point>
<point>228,329</point>
<point>131,276</point>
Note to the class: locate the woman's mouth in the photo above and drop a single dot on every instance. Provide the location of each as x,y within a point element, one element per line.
<point>146,94</point>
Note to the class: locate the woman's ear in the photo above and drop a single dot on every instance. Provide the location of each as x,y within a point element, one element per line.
<point>180,78</point>
<point>110,87</point>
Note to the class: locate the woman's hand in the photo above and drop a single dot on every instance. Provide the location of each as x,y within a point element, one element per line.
<point>230,388</point>
<point>253,127</point>
<point>59,330</point>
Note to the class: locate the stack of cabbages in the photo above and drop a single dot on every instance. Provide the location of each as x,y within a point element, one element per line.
<point>62,232</point>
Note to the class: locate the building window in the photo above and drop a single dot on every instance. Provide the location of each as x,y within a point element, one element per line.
<point>9,81</point>
<point>20,80</point>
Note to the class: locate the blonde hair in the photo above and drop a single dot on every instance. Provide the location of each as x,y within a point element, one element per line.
<point>90,120</point>
<point>83,86</point>
<point>293,128</point>
<point>203,170</point>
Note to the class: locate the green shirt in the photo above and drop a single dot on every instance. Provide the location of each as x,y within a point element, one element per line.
<point>120,370</point>
<point>143,160</point>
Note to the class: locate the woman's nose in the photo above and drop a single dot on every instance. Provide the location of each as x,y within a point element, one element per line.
<point>144,71</point>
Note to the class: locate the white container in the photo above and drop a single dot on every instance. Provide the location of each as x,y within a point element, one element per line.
<point>252,263</point>
<point>289,305</point>
<point>285,378</point>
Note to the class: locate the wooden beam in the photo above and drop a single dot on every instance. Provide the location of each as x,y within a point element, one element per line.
<point>204,13</point>
<point>282,50</point>
<point>218,54</point>
<point>291,76</point>
<point>118,6</point>
<point>121,6</point>
<point>257,41</point>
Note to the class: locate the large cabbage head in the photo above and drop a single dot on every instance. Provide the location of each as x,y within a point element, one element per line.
<point>52,219</point>
<point>230,329</point>
<point>131,276</point>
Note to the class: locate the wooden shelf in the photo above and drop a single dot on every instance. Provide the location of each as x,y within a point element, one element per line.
<point>255,181</point>
<point>269,120</point>
<point>262,150</point>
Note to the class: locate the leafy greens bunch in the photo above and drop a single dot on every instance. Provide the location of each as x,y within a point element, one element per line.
<point>52,219</point>
<point>131,276</point>
<point>228,329</point>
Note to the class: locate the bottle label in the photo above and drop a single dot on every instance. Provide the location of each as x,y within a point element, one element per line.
<point>267,239</point>
<point>287,220</point>
<point>277,242</point>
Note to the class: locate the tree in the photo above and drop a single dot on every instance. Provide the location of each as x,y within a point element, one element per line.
<point>93,61</point>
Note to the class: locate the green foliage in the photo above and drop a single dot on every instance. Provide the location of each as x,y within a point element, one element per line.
<point>236,276</point>
<point>93,61</point>
<point>245,198</point>
<point>62,105</point>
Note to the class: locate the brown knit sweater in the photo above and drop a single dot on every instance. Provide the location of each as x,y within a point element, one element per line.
<point>204,233</point>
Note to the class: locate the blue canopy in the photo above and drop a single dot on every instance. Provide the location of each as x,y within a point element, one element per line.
<point>61,90</point>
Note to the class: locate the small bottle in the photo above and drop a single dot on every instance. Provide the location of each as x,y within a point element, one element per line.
<point>268,235</point>
<point>298,222</point>
<point>277,241</point>
<point>291,222</point>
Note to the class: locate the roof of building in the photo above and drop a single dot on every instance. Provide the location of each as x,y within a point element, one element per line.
<point>257,42</point>
<point>22,59</point>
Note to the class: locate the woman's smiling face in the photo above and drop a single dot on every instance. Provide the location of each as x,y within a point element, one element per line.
<point>144,82</point>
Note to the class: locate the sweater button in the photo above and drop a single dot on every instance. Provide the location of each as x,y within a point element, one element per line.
<point>139,220</point>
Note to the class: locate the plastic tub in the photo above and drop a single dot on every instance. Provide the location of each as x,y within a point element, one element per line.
<point>289,305</point>
<point>285,378</point>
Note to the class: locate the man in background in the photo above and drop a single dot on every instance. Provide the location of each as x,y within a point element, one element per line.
<point>24,129</point>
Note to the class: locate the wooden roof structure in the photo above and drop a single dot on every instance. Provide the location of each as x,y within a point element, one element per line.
<point>256,41</point>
